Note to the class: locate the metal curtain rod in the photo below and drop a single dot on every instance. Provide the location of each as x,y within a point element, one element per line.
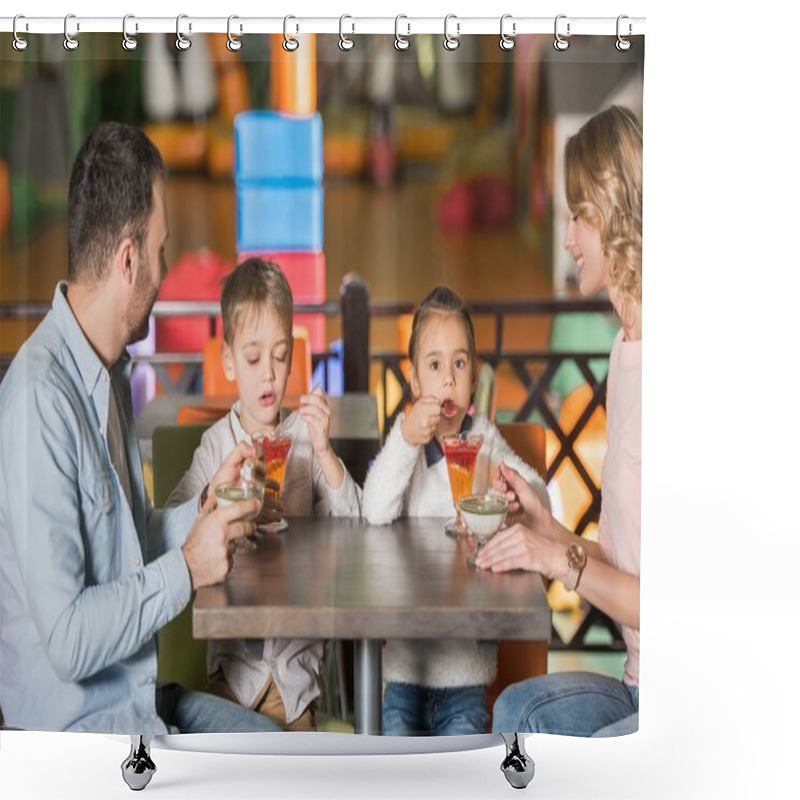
<point>566,25</point>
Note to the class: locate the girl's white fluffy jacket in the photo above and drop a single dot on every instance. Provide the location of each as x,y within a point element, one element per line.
<point>401,484</point>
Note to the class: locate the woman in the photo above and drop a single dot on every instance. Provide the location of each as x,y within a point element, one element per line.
<point>603,174</point>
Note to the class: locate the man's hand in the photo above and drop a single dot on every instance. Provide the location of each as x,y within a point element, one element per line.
<point>229,470</point>
<point>209,547</point>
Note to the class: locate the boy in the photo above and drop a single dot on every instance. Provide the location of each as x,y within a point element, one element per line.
<point>277,677</point>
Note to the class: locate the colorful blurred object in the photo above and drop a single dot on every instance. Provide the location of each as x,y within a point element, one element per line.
<point>183,145</point>
<point>232,88</point>
<point>279,203</point>
<point>293,76</point>
<point>274,147</point>
<point>215,382</point>
<point>194,276</point>
<point>477,188</point>
<point>305,272</point>
<point>220,158</point>
<point>476,203</point>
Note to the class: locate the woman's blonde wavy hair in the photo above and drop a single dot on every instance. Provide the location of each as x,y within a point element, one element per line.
<point>603,176</point>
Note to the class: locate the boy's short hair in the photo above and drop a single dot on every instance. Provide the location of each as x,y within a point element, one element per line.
<point>255,282</point>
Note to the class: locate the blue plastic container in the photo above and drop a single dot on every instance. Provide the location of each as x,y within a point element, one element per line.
<point>273,217</point>
<point>273,147</point>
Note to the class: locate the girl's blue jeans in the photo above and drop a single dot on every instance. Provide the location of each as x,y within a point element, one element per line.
<point>410,710</point>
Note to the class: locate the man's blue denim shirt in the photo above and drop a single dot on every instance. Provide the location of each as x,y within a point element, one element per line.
<point>86,581</point>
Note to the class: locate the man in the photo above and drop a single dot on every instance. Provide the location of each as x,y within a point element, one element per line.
<point>89,572</point>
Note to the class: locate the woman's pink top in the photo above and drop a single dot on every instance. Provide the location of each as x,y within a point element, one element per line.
<point>621,509</point>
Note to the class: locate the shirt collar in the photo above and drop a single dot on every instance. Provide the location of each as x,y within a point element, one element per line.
<point>89,365</point>
<point>433,450</point>
<point>285,420</point>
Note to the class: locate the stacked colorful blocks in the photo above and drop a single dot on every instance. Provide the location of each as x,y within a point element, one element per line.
<point>280,199</point>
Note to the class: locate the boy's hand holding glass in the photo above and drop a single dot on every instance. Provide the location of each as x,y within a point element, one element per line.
<point>421,422</point>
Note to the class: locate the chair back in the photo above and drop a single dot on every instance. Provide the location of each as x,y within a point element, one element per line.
<point>484,398</point>
<point>300,373</point>
<point>518,660</point>
<point>181,658</point>
<point>527,440</point>
<point>195,414</point>
<point>215,382</point>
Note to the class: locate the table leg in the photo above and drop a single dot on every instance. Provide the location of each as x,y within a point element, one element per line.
<point>368,683</point>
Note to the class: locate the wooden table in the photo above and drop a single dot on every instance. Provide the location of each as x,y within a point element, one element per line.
<point>344,579</point>
<point>355,434</point>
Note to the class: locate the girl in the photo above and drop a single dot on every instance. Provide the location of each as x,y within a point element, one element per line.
<point>435,686</point>
<point>603,170</point>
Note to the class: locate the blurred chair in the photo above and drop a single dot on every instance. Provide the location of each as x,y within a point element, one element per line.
<point>194,414</point>
<point>527,440</point>
<point>404,323</point>
<point>590,331</point>
<point>300,373</point>
<point>484,398</point>
<point>393,389</point>
<point>181,658</point>
<point>590,448</point>
<point>518,660</point>
<point>215,383</point>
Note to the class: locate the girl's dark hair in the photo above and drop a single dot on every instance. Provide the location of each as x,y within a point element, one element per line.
<point>110,196</point>
<point>441,300</point>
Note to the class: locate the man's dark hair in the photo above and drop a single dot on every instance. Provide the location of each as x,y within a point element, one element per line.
<point>110,196</point>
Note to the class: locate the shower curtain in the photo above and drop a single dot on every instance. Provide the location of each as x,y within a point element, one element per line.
<point>370,174</point>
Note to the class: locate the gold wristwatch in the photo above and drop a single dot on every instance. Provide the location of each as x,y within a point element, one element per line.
<point>576,561</point>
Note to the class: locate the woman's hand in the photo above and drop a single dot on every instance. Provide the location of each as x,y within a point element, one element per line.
<point>519,547</point>
<point>421,422</point>
<point>523,502</point>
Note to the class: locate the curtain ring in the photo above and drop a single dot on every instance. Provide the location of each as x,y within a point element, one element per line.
<point>233,44</point>
<point>451,42</point>
<point>290,44</point>
<point>128,42</point>
<point>70,42</point>
<point>401,42</point>
<point>560,42</point>
<point>507,42</point>
<point>19,44</point>
<point>622,43</point>
<point>182,42</point>
<point>345,43</point>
